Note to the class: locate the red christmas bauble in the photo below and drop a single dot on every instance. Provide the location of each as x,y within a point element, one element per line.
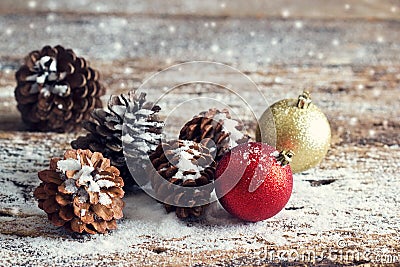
<point>254,181</point>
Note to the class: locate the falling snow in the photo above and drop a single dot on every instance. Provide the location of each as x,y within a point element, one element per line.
<point>285,13</point>
<point>298,24</point>
<point>32,4</point>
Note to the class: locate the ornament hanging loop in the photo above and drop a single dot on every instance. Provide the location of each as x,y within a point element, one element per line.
<point>285,157</point>
<point>304,100</point>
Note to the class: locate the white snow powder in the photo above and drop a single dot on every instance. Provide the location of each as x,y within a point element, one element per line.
<point>104,199</point>
<point>119,109</point>
<point>229,126</point>
<point>68,165</point>
<point>84,175</point>
<point>60,89</point>
<point>127,138</point>
<point>185,162</point>
<point>144,112</point>
<point>274,154</point>
<point>83,212</point>
<point>105,183</point>
<point>70,186</point>
<point>93,186</point>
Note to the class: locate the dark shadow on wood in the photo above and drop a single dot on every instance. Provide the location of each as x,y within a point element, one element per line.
<point>11,122</point>
<point>320,182</point>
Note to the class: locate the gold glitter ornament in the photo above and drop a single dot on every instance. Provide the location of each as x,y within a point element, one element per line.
<point>300,126</point>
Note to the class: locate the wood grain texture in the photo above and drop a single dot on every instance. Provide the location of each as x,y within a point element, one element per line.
<point>348,57</point>
<point>328,9</point>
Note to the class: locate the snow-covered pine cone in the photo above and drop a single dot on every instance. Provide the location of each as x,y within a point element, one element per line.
<point>56,90</point>
<point>81,192</point>
<point>141,128</point>
<point>186,164</point>
<point>216,130</point>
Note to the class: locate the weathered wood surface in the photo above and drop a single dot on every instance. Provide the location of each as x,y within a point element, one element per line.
<point>347,52</point>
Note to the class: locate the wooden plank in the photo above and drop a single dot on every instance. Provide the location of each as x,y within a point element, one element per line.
<point>258,44</point>
<point>328,9</point>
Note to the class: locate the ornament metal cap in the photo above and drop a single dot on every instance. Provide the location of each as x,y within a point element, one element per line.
<point>304,100</point>
<point>285,157</point>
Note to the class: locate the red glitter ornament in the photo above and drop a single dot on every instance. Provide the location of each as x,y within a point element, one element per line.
<point>254,181</point>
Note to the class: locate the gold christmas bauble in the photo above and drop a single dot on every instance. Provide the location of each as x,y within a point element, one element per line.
<point>297,125</point>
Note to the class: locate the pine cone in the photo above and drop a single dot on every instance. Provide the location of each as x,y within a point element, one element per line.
<point>142,133</point>
<point>56,90</point>
<point>186,164</point>
<point>216,130</point>
<point>81,192</point>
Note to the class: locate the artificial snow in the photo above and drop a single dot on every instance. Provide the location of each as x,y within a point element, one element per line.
<point>83,212</point>
<point>144,112</point>
<point>105,183</point>
<point>42,62</point>
<point>70,186</point>
<point>274,154</point>
<point>230,126</point>
<point>185,162</point>
<point>84,175</point>
<point>147,136</point>
<point>68,165</point>
<point>104,199</point>
<point>127,139</point>
<point>119,110</point>
<point>41,79</point>
<point>93,186</point>
<point>59,89</point>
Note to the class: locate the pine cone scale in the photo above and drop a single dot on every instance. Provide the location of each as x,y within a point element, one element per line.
<point>50,205</point>
<point>56,219</point>
<point>60,199</point>
<point>23,75</point>
<point>40,193</point>
<point>77,225</point>
<point>112,224</point>
<point>49,177</point>
<point>103,212</point>
<point>50,189</point>
<point>66,214</point>
<point>100,226</point>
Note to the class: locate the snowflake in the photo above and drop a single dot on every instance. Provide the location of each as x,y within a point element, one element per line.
<point>171,29</point>
<point>214,48</point>
<point>335,42</point>
<point>298,24</point>
<point>32,4</point>
<point>285,13</point>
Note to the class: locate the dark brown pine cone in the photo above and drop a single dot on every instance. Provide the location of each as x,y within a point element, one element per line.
<point>216,130</point>
<point>56,90</point>
<point>137,136</point>
<point>81,192</point>
<point>185,164</point>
